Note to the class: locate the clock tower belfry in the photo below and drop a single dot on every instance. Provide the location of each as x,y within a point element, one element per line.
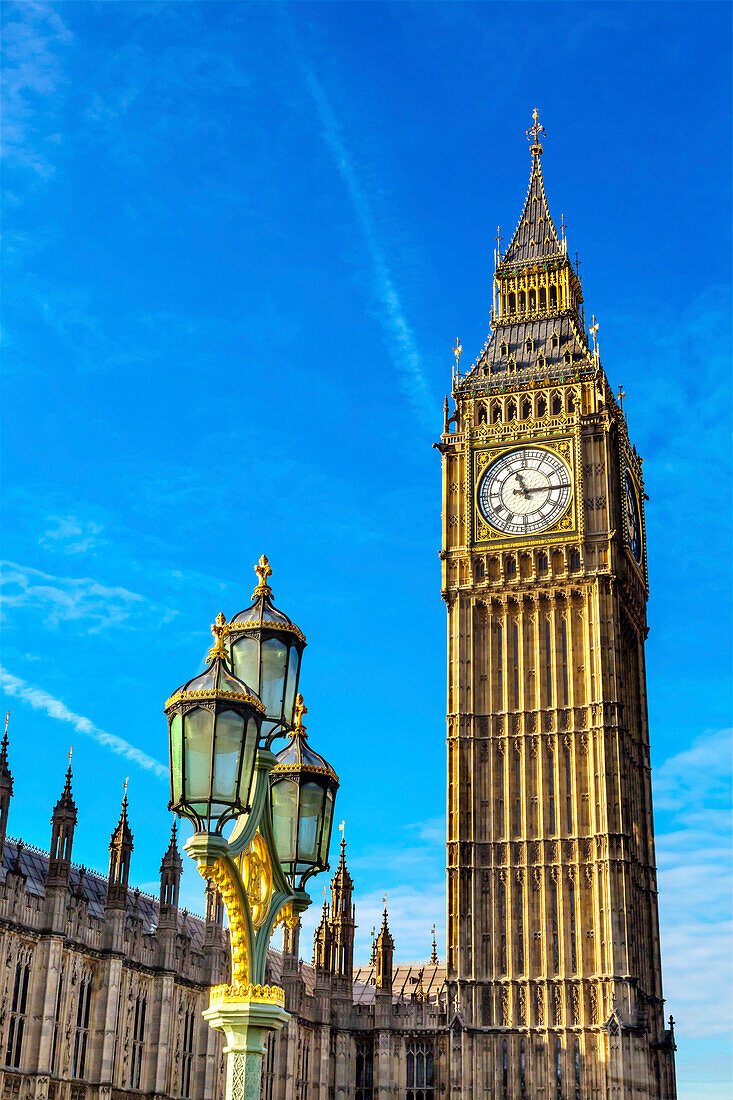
<point>553,956</point>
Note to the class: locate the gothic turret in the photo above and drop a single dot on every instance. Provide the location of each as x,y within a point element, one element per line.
<point>343,920</point>
<point>384,955</point>
<point>170,882</point>
<point>6,788</point>
<point>323,943</point>
<point>63,822</point>
<point>120,849</point>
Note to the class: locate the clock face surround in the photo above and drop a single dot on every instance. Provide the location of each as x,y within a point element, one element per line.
<point>524,491</point>
<point>633,519</point>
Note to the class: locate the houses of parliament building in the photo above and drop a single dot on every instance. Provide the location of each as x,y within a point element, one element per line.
<point>550,986</point>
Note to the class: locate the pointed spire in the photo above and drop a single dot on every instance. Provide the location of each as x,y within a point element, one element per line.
<point>6,779</point>
<point>170,882</point>
<point>66,803</point>
<point>6,788</point>
<point>120,849</point>
<point>535,237</point>
<point>385,951</point>
<point>63,821</point>
<point>434,952</point>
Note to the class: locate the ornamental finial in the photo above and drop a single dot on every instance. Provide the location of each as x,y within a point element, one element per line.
<point>533,135</point>
<point>218,629</point>
<point>263,571</point>
<point>300,710</point>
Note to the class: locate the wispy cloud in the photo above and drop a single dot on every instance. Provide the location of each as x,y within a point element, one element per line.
<point>70,535</point>
<point>41,700</point>
<point>399,337</point>
<point>693,796</point>
<point>34,35</point>
<point>66,598</point>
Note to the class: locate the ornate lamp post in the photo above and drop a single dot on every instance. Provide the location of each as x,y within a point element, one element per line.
<point>223,772</point>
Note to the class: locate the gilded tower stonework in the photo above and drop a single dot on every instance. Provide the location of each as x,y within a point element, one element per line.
<point>554,977</point>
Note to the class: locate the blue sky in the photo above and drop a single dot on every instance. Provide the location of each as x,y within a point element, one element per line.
<point>240,242</point>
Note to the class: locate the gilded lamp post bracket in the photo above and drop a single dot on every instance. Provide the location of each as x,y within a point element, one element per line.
<point>248,875</point>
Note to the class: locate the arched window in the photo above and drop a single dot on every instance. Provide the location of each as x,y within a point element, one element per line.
<point>420,1070</point>
<point>503,348</point>
<point>512,303</point>
<point>543,298</point>
<point>512,365</point>
<point>541,406</point>
<point>482,414</point>
<point>529,343</point>
<point>541,360</point>
<point>18,1009</point>
<point>553,297</point>
<point>542,562</point>
<point>522,301</point>
<point>365,1069</point>
<point>496,413</point>
<point>138,1041</point>
<point>526,409</point>
<point>571,403</point>
<point>555,340</point>
<point>567,357</point>
<point>511,567</point>
<point>479,569</point>
<point>556,404</point>
<point>575,559</point>
<point>533,299</point>
<point>511,413</point>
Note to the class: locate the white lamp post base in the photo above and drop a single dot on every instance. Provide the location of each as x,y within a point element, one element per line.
<point>246,1025</point>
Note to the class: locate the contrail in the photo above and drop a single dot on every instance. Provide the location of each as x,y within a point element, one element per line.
<point>41,700</point>
<point>401,342</point>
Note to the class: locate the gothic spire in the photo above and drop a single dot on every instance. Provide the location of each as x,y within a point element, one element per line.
<point>120,850</point>
<point>5,776</point>
<point>434,952</point>
<point>6,788</point>
<point>385,952</point>
<point>65,805</point>
<point>535,235</point>
<point>170,880</point>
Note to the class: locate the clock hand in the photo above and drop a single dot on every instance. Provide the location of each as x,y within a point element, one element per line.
<point>522,486</point>
<point>546,488</point>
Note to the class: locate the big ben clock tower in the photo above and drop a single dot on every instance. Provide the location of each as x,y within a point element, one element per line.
<point>554,971</point>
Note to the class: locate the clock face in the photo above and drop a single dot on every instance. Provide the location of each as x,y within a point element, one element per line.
<point>633,520</point>
<point>525,491</point>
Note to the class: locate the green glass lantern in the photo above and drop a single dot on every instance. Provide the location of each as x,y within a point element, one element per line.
<point>302,791</point>
<point>214,724</point>
<point>266,650</point>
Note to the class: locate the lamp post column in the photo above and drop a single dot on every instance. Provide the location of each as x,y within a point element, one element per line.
<point>246,1026</point>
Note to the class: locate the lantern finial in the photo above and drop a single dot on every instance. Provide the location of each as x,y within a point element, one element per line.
<point>300,710</point>
<point>218,629</point>
<point>263,571</point>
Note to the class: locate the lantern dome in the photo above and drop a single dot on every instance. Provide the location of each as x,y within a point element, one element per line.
<point>303,788</point>
<point>265,649</point>
<point>214,725</point>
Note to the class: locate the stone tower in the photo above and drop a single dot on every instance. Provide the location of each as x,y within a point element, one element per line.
<point>553,960</point>
<point>343,921</point>
<point>63,823</point>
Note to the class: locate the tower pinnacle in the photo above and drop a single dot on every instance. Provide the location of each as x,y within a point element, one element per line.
<point>533,135</point>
